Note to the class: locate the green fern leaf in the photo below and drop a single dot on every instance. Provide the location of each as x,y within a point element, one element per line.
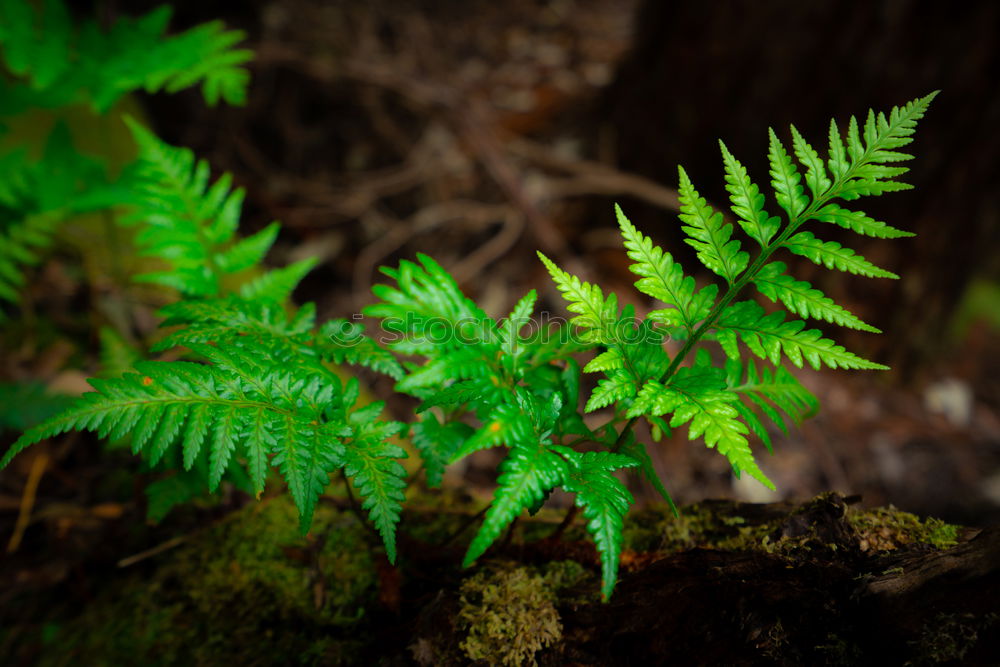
<point>236,410</point>
<point>785,178</point>
<point>748,202</point>
<point>664,279</point>
<point>307,456</point>
<point>36,44</point>
<point>428,310</point>
<point>372,463</point>
<point>604,501</point>
<point>710,235</point>
<point>344,342</point>
<point>21,244</point>
<point>518,317</point>
<point>768,336</point>
<point>528,472</point>
<point>277,285</point>
<point>466,391</point>
<point>699,396</point>
<point>832,255</point>
<point>437,444</point>
<point>249,251</point>
<point>135,54</point>
<point>839,162</point>
<point>769,392</point>
<point>816,177</point>
<point>619,385</point>
<point>506,425</point>
<point>594,314</point>
<point>803,299</point>
<point>865,167</point>
<point>860,223</point>
<point>608,360</point>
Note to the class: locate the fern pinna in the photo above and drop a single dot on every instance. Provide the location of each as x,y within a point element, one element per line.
<point>262,392</point>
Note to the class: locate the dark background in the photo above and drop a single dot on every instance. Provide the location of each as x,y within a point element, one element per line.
<point>478,132</point>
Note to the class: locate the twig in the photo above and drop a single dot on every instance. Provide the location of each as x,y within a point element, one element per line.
<point>594,177</point>
<point>28,500</point>
<point>565,523</point>
<point>149,553</point>
<point>465,525</point>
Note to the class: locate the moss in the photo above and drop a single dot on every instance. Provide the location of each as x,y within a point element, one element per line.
<point>721,526</point>
<point>508,613</point>
<point>886,529</point>
<point>948,637</point>
<point>251,589</point>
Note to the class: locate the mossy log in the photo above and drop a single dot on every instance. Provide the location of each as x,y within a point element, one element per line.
<point>724,583</point>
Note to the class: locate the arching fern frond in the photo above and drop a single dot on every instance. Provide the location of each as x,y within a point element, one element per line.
<point>188,222</point>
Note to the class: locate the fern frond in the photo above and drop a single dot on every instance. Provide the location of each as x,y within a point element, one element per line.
<point>608,360</point>
<point>768,336</point>
<point>748,202</point>
<point>529,471</point>
<point>64,65</point>
<point>428,310</point>
<point>234,413</point>
<point>618,386</point>
<point>769,392</point>
<point>832,255</point>
<point>372,463</point>
<point>36,44</point>
<point>605,501</point>
<point>803,299</point>
<point>595,314</point>
<point>37,196</point>
<point>865,166</point>
<point>437,444</point>
<point>699,396</point>
<point>190,224</point>
<point>21,245</point>
<point>506,425</point>
<point>512,325</point>
<point>710,235</point>
<point>664,279</point>
<point>345,342</point>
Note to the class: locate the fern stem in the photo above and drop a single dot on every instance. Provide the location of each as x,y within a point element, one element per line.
<point>734,290</point>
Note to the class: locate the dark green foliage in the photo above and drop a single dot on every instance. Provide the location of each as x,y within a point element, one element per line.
<point>261,389</point>
<point>37,195</point>
<point>56,65</point>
